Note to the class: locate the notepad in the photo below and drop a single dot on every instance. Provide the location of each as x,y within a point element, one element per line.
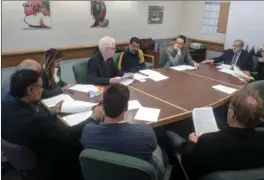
<point>50,102</point>
<point>134,104</point>
<point>76,106</point>
<point>84,88</point>
<point>126,82</point>
<point>147,114</point>
<point>77,118</point>
<point>224,89</point>
<point>204,120</point>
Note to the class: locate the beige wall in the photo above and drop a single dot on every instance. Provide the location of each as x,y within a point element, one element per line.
<point>191,21</point>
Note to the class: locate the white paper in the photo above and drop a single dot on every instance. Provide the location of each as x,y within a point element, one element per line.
<point>240,74</point>
<point>127,75</point>
<point>77,118</point>
<point>224,89</point>
<point>178,68</point>
<point>140,77</point>
<point>157,77</point>
<point>50,102</point>
<point>148,72</point>
<point>183,67</point>
<point>147,114</point>
<point>134,104</point>
<point>84,88</point>
<point>76,106</point>
<point>228,71</point>
<point>224,66</point>
<point>126,82</point>
<point>204,120</point>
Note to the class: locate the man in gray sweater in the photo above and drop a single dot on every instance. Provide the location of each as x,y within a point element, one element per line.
<point>179,54</point>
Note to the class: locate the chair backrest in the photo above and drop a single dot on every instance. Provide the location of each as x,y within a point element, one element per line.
<point>255,63</point>
<point>80,72</point>
<point>257,86</point>
<point>163,58</point>
<point>116,58</point>
<point>20,157</point>
<point>97,164</point>
<point>251,174</point>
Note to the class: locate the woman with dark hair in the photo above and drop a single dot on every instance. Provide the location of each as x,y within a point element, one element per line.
<point>51,74</point>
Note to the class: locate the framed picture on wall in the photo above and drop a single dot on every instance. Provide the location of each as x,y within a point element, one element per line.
<point>155,14</point>
<point>98,11</point>
<point>36,14</point>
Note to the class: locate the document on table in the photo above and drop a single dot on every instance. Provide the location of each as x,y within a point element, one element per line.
<point>147,114</point>
<point>77,118</point>
<point>126,82</point>
<point>228,71</point>
<point>178,68</point>
<point>148,72</point>
<point>76,106</point>
<point>54,100</point>
<point>134,104</point>
<point>140,77</point>
<point>158,77</point>
<point>183,67</point>
<point>204,120</point>
<point>224,89</point>
<point>127,75</point>
<point>224,66</point>
<point>240,74</point>
<point>83,88</point>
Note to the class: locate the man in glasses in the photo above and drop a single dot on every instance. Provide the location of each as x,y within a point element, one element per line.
<point>132,59</point>
<point>179,54</point>
<point>236,57</point>
<point>101,68</point>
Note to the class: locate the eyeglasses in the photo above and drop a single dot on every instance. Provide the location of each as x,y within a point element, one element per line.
<point>237,46</point>
<point>112,48</point>
<point>135,46</point>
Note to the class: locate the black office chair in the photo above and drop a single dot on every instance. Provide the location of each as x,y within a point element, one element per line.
<point>19,157</point>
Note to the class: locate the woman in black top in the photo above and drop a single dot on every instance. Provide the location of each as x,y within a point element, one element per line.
<point>51,74</point>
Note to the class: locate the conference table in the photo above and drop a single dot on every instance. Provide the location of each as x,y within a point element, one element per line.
<point>178,95</point>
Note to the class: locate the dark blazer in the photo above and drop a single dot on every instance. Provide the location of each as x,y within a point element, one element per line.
<point>47,137</point>
<point>229,149</point>
<point>260,70</point>
<point>244,61</point>
<point>100,71</point>
<point>55,88</point>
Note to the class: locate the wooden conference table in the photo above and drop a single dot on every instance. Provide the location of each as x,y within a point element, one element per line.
<point>178,95</point>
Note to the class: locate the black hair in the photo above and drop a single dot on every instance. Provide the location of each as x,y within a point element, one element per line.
<point>115,100</point>
<point>182,37</point>
<point>21,80</point>
<point>134,39</point>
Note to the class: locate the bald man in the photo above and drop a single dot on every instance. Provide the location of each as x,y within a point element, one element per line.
<point>101,67</point>
<point>26,64</point>
<point>237,147</point>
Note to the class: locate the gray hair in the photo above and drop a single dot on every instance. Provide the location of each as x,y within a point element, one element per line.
<point>106,42</point>
<point>29,64</point>
<point>241,42</point>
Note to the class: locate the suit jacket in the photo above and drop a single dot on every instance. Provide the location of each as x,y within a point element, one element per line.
<point>55,88</point>
<point>5,89</point>
<point>229,149</point>
<point>100,71</point>
<point>260,70</point>
<point>244,61</point>
<point>46,136</point>
<point>175,59</point>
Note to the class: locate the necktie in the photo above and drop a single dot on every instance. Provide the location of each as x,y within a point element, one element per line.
<point>234,59</point>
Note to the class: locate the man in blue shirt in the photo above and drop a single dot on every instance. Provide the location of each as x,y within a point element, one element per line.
<point>137,140</point>
<point>26,64</point>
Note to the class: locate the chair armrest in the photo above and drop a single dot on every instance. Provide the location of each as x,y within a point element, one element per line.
<point>149,57</point>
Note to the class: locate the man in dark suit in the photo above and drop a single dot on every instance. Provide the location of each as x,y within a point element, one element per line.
<point>238,147</point>
<point>101,67</point>
<point>55,145</point>
<point>236,56</point>
<point>260,67</point>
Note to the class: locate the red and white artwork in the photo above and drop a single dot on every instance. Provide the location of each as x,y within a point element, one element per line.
<point>37,14</point>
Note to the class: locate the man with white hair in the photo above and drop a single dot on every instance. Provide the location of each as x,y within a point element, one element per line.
<point>26,64</point>
<point>101,67</point>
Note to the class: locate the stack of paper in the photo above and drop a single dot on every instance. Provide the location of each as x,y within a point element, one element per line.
<point>183,67</point>
<point>228,71</point>
<point>77,118</point>
<point>240,74</point>
<point>148,72</point>
<point>127,75</point>
<point>84,88</point>
<point>204,120</point>
<point>54,100</point>
<point>147,114</point>
<point>140,77</point>
<point>76,106</point>
<point>224,89</point>
<point>154,75</point>
<point>134,104</point>
<point>126,81</point>
<point>224,66</point>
